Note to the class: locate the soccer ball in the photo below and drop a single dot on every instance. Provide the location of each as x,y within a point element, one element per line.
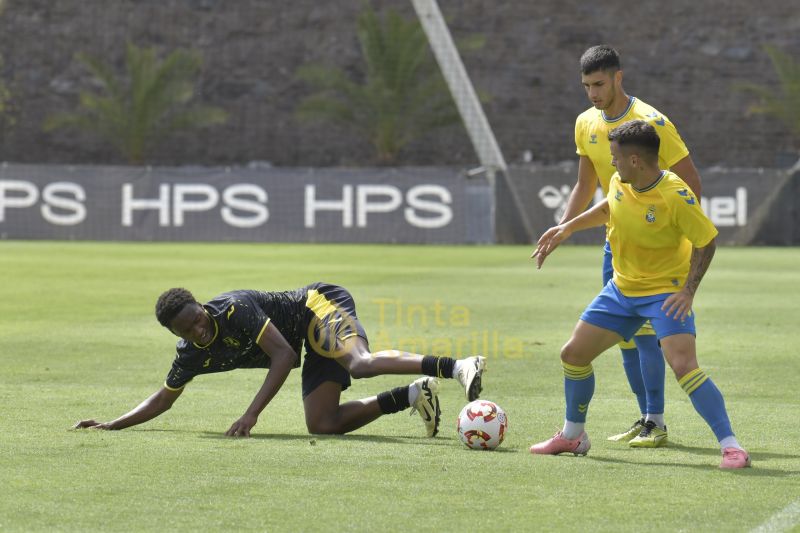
<point>482,425</point>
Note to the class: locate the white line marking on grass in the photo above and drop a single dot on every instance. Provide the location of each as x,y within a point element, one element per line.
<point>783,520</point>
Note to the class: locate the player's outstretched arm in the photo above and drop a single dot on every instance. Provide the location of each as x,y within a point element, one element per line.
<point>153,406</point>
<point>679,305</point>
<point>282,359</point>
<point>550,239</point>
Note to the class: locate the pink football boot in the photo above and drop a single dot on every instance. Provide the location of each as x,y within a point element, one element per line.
<point>558,444</point>
<point>734,458</point>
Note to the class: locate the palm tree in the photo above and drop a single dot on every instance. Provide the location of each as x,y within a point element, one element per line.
<point>142,108</point>
<point>402,97</point>
<point>783,105</point>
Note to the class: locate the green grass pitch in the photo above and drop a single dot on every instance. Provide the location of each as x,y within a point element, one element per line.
<point>78,339</point>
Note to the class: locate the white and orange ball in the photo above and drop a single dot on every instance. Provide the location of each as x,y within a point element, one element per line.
<point>482,425</point>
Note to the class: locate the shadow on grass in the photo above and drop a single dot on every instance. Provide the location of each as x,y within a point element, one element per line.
<point>715,451</point>
<point>311,439</point>
<point>755,471</point>
<point>322,438</point>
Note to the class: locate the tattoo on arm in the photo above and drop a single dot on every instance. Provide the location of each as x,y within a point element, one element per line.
<point>701,258</point>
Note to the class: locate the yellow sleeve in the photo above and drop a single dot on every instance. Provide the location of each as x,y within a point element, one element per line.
<point>690,218</point>
<point>672,147</point>
<point>579,149</point>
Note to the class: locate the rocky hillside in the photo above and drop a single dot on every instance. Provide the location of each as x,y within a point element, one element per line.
<point>681,56</point>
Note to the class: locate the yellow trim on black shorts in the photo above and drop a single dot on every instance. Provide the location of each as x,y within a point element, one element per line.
<point>319,304</point>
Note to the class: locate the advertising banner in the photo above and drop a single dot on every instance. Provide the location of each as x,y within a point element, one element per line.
<point>408,205</point>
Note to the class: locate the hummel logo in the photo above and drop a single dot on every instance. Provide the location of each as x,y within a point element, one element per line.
<point>690,201</point>
<point>207,363</point>
<point>659,121</point>
<point>582,407</point>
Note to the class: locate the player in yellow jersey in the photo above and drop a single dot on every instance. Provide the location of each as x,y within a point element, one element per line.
<point>601,76</point>
<point>662,244</point>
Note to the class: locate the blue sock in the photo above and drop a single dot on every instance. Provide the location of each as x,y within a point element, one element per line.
<point>651,362</point>
<point>708,401</point>
<point>633,369</point>
<point>578,390</point>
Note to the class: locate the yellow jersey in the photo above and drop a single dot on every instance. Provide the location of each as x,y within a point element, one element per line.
<point>651,233</point>
<point>591,137</point>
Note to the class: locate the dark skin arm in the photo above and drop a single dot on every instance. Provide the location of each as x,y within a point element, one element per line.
<point>282,358</point>
<point>679,304</point>
<point>159,402</point>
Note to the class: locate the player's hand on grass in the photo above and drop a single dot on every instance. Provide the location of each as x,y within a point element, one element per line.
<point>93,424</point>
<point>548,242</point>
<point>242,427</point>
<point>678,305</point>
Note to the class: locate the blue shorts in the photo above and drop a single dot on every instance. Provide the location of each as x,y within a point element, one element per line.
<point>624,315</point>
<point>608,273</point>
<point>608,268</point>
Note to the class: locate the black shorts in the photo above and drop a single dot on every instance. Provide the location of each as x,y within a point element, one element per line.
<point>331,319</point>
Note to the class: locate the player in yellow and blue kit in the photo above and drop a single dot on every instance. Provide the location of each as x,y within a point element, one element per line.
<point>601,76</point>
<point>662,244</point>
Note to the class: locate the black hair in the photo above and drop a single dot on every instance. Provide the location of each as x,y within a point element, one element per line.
<point>170,303</point>
<point>600,57</point>
<point>640,134</point>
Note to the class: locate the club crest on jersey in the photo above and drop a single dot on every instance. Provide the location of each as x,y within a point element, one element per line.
<point>618,195</point>
<point>593,138</point>
<point>230,341</point>
<point>651,214</point>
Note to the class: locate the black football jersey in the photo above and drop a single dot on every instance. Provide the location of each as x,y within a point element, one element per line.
<point>239,318</point>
